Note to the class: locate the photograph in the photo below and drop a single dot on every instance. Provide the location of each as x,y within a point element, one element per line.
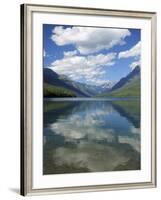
<point>88,99</point>
<point>91,99</point>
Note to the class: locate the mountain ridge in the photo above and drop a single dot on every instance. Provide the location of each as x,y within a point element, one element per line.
<point>124,80</point>
<point>56,85</point>
<point>128,86</point>
<point>52,78</point>
<point>79,89</point>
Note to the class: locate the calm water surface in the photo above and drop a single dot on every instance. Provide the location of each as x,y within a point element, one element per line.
<point>91,135</point>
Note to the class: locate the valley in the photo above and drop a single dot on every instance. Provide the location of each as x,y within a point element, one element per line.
<point>60,86</point>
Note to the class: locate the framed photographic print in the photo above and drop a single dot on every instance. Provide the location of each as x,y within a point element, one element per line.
<point>88,99</point>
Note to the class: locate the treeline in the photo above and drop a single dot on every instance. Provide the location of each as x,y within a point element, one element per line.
<point>55,91</point>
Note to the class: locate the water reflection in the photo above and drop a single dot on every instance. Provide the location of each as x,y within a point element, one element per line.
<point>90,136</point>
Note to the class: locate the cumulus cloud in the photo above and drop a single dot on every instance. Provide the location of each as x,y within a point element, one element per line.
<point>95,157</point>
<point>89,40</point>
<point>133,52</point>
<point>87,124</point>
<point>90,69</point>
<point>70,53</point>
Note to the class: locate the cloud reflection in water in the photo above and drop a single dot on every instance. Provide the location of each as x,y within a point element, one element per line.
<point>94,136</point>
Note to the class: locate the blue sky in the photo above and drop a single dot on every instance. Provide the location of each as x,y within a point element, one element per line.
<point>91,55</point>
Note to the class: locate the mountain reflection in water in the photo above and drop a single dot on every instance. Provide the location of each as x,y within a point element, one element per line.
<point>91,136</point>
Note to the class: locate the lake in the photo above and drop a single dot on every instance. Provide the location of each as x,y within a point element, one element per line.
<point>91,135</point>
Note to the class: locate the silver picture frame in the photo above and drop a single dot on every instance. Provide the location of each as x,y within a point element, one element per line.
<point>27,11</point>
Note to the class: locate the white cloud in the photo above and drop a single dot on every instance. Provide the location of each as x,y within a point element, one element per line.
<point>133,141</point>
<point>87,128</point>
<point>94,143</point>
<point>135,130</point>
<point>135,64</point>
<point>89,69</point>
<point>133,52</point>
<point>86,125</point>
<point>89,40</point>
<point>44,53</point>
<point>70,53</point>
<point>93,156</point>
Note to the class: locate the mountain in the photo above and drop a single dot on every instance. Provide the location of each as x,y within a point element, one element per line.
<point>61,86</point>
<point>106,87</point>
<point>134,74</point>
<point>54,84</point>
<point>128,86</point>
<point>55,91</point>
<point>87,90</point>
